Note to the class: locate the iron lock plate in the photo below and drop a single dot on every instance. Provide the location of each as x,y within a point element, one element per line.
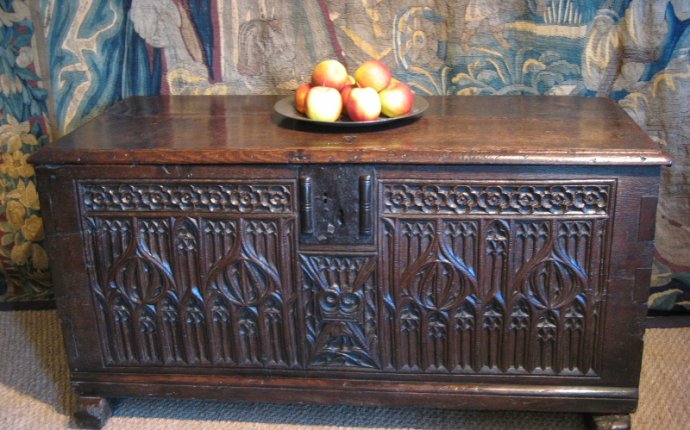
<point>336,205</point>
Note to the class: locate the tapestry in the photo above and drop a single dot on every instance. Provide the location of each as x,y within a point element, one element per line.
<point>633,51</point>
<point>23,115</point>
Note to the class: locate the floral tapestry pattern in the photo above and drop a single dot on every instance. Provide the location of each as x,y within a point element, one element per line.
<point>634,51</point>
<point>23,261</point>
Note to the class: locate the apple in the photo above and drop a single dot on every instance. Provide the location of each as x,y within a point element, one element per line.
<point>329,73</point>
<point>351,80</point>
<point>397,99</point>
<point>374,74</point>
<point>324,104</point>
<point>301,97</point>
<point>363,104</point>
<point>345,92</point>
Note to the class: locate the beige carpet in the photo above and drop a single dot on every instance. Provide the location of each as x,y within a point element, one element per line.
<point>34,394</point>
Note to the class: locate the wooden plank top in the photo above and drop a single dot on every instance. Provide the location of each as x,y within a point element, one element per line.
<point>454,130</point>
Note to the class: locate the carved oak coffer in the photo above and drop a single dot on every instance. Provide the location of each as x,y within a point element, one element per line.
<point>493,254</point>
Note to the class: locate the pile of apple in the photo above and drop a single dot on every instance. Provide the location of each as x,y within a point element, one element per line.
<point>371,92</point>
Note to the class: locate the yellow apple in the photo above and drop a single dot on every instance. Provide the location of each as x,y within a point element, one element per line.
<point>397,99</point>
<point>324,104</point>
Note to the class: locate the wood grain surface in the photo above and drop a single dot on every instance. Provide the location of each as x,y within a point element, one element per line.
<point>464,130</point>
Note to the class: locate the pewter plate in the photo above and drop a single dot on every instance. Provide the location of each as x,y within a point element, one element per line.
<point>286,108</point>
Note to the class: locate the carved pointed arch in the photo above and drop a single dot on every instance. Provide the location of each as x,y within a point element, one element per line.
<point>194,333</point>
<point>437,279</point>
<point>221,328</point>
<point>169,321</point>
<point>186,244</point>
<point>243,278</point>
<point>464,336</point>
<point>148,334</point>
<point>121,328</point>
<point>493,317</point>
<point>552,283</point>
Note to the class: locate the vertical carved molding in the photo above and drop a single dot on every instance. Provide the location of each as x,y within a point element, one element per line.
<point>221,330</point>
<point>147,336</point>
<point>518,336</point>
<point>388,268</point>
<point>121,330</point>
<point>493,288</point>
<point>464,337</point>
<point>186,245</point>
<point>494,261</point>
<point>170,325</point>
<point>248,337</point>
<point>489,348</point>
<point>574,335</point>
<point>194,333</point>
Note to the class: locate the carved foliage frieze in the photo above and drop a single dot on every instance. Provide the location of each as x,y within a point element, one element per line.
<point>442,197</point>
<point>198,196</point>
<point>194,290</point>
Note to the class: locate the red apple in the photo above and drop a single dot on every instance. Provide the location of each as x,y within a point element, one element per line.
<point>324,104</point>
<point>374,74</point>
<point>397,99</point>
<point>301,97</point>
<point>345,93</point>
<point>329,73</point>
<point>363,104</point>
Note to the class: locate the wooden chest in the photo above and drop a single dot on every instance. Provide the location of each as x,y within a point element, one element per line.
<point>493,254</point>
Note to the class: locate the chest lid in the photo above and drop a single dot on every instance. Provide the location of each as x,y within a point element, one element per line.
<point>494,130</point>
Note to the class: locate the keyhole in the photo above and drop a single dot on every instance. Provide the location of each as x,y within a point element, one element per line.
<point>325,198</point>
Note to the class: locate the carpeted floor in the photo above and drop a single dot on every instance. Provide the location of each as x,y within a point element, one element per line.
<point>35,394</point>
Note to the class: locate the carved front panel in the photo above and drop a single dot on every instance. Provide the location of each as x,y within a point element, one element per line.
<point>340,310</point>
<point>192,287</point>
<point>501,293</point>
